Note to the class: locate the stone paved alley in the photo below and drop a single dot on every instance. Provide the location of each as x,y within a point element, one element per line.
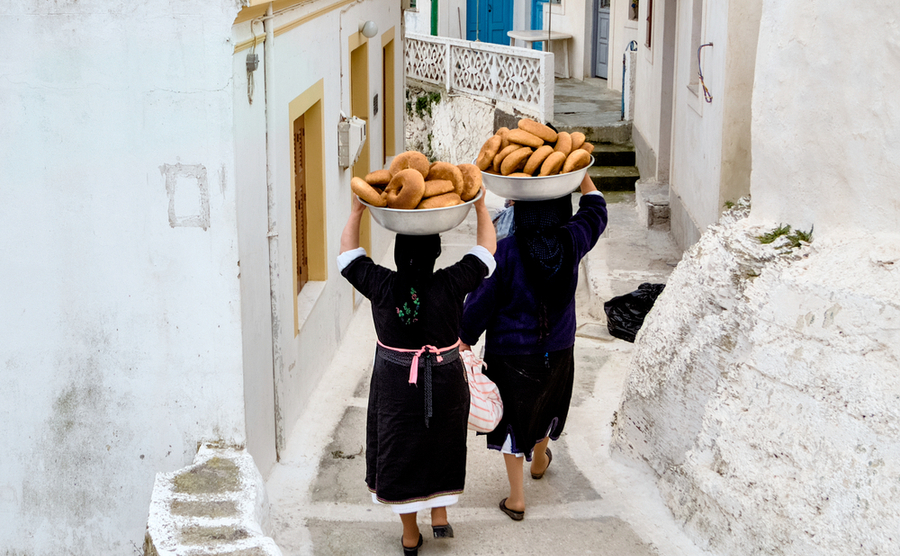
<point>588,502</point>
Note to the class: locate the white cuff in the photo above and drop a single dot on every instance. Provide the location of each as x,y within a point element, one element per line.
<point>485,257</point>
<point>594,192</point>
<point>348,257</point>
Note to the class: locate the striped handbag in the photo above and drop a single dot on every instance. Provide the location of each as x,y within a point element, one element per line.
<point>485,407</point>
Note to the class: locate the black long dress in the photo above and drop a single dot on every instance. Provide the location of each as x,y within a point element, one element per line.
<point>410,458</point>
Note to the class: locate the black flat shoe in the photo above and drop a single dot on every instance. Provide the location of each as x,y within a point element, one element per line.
<point>537,476</point>
<point>414,551</point>
<point>442,531</point>
<point>513,514</point>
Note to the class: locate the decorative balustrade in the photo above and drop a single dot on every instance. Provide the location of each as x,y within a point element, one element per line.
<point>520,77</point>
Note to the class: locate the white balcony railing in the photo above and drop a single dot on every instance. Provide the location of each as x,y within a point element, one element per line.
<point>519,77</point>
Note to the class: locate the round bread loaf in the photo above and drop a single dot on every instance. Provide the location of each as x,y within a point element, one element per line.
<point>538,129</point>
<point>576,161</point>
<point>488,151</point>
<point>437,187</point>
<point>379,177</point>
<point>366,192</point>
<point>410,159</point>
<point>522,137</point>
<point>552,164</point>
<point>515,161</point>
<point>405,190</point>
<point>440,201</point>
<point>537,158</point>
<point>471,181</point>
<point>446,171</point>
<point>563,143</point>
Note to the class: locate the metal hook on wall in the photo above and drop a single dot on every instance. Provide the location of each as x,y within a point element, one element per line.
<point>707,96</point>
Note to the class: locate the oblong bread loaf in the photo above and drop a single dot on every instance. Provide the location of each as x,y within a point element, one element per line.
<point>487,153</point>
<point>538,129</point>
<point>537,158</point>
<point>437,187</point>
<point>440,201</point>
<point>446,171</point>
<point>576,161</point>
<point>366,192</point>
<point>515,160</point>
<point>589,147</point>
<point>552,164</point>
<point>471,181</point>
<point>563,143</point>
<point>379,177</point>
<point>504,141</point>
<point>577,139</point>
<point>522,137</point>
<point>495,166</point>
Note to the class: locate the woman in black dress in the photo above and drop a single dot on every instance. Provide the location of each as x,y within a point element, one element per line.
<point>418,398</point>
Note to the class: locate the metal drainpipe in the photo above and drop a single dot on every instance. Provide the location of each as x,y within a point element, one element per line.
<point>272,235</point>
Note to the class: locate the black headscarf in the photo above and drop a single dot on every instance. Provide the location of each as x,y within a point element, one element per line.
<point>415,257</point>
<point>547,252</point>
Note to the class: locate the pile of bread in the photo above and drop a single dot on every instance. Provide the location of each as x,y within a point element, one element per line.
<point>412,182</point>
<point>534,149</point>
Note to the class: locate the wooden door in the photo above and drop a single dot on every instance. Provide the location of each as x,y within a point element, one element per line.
<point>489,20</point>
<point>601,47</point>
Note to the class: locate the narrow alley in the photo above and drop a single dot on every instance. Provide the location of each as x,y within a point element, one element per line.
<point>588,502</point>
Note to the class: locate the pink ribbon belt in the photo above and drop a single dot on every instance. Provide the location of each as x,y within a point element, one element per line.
<point>417,353</point>
<point>430,353</point>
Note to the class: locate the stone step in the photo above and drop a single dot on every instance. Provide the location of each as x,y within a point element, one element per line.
<point>613,154</point>
<point>614,178</point>
<point>618,132</point>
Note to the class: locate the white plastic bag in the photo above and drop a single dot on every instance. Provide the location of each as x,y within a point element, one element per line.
<point>485,407</point>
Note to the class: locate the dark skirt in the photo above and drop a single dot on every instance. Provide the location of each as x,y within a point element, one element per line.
<point>408,460</point>
<point>536,392</point>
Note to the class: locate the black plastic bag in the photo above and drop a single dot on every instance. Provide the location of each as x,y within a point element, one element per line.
<point>625,314</point>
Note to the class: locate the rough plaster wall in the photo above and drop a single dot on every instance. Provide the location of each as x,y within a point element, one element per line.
<point>848,157</point>
<point>764,394</point>
<point>121,336</point>
<point>455,131</point>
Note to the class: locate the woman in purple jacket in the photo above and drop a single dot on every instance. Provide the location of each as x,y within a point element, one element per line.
<point>527,308</point>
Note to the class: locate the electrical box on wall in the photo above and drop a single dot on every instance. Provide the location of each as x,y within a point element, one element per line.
<point>351,138</point>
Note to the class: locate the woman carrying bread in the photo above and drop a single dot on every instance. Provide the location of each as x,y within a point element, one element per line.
<point>418,399</point>
<point>527,308</point>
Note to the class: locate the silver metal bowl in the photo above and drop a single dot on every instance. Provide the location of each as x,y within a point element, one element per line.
<point>537,188</point>
<point>421,222</point>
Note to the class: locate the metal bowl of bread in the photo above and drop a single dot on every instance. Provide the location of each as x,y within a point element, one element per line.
<point>422,221</point>
<point>534,162</point>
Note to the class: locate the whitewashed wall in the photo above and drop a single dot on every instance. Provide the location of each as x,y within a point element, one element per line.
<point>121,332</point>
<point>840,174</point>
<point>764,389</point>
<point>653,93</point>
<point>304,55</point>
<point>621,32</point>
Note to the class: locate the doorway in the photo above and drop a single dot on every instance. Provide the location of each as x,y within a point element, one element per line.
<point>601,45</point>
<point>489,20</point>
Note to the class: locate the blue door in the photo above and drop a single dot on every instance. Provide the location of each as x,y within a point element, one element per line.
<point>537,20</point>
<point>489,20</point>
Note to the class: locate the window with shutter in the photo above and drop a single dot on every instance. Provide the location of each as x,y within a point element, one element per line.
<point>300,204</point>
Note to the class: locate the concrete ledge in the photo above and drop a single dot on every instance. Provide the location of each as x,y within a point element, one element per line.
<point>652,203</point>
<point>215,506</point>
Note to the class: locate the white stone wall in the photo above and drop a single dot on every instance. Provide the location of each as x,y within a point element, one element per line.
<point>317,50</point>
<point>121,332</point>
<point>764,393</point>
<point>840,173</point>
